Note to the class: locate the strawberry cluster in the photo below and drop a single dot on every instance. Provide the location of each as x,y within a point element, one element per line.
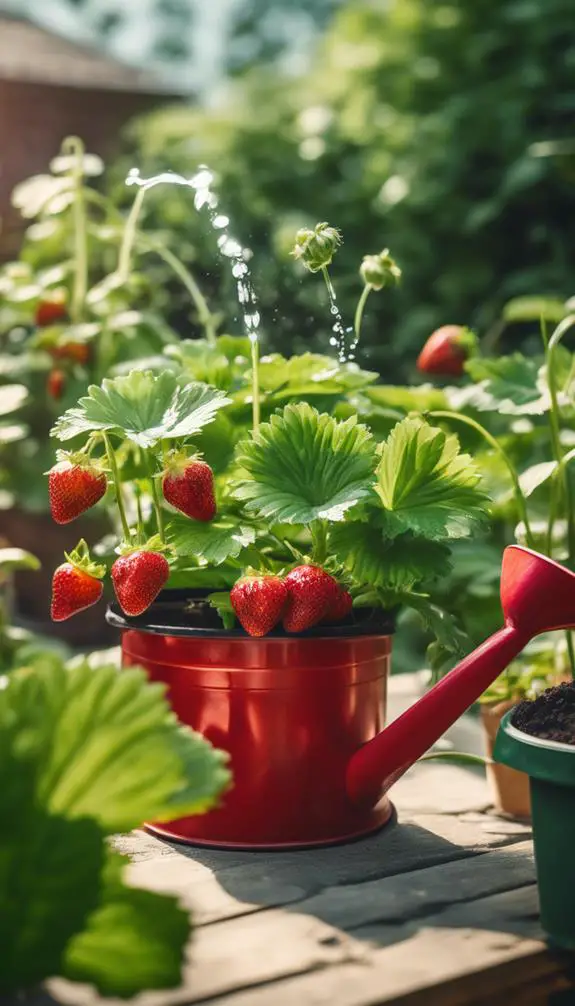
<point>139,574</point>
<point>304,598</point>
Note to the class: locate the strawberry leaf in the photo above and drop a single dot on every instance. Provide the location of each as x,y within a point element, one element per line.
<point>104,746</point>
<point>143,407</point>
<point>507,384</point>
<point>49,881</point>
<point>393,566</point>
<point>210,541</point>
<point>302,466</point>
<point>310,374</point>
<point>426,485</point>
<point>154,931</point>
<point>222,602</point>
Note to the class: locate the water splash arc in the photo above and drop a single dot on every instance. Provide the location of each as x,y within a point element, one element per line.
<point>205,197</point>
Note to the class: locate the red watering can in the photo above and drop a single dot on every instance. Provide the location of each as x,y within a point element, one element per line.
<point>302,716</point>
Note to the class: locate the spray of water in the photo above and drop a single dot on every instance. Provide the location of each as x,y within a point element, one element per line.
<point>229,247</point>
<point>343,339</point>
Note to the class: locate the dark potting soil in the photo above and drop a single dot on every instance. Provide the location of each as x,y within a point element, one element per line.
<point>550,716</point>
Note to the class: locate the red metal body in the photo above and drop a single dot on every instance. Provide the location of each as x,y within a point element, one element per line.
<point>291,712</point>
<point>302,717</point>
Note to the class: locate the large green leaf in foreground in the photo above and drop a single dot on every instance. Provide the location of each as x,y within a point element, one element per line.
<point>144,407</point>
<point>304,465</point>
<point>426,485</point>
<point>134,940</point>
<point>105,745</point>
<point>84,753</point>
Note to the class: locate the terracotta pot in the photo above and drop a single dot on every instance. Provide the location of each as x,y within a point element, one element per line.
<point>509,788</point>
<point>38,534</point>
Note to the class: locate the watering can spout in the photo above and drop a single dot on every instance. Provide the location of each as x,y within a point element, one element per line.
<point>537,595</point>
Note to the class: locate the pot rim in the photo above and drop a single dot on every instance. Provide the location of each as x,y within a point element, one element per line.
<point>374,622</point>
<point>539,742</point>
<point>547,760</point>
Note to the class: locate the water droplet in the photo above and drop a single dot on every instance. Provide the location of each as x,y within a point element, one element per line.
<point>220,221</point>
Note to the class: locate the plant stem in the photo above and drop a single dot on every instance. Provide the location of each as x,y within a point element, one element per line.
<point>158,508</point>
<point>328,283</point>
<point>255,382</point>
<point>519,497</point>
<point>555,428</point>
<point>205,316</point>
<point>359,310</point>
<point>117,486</point>
<point>129,236</point>
<point>319,539</point>
<point>75,148</point>
<point>555,424</point>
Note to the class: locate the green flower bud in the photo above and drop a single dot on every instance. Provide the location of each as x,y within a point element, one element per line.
<point>316,248</point>
<point>380,270</point>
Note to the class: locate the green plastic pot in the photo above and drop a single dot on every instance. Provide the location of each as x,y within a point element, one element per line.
<point>551,770</point>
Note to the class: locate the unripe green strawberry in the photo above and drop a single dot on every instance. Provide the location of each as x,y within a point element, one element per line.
<point>311,594</point>
<point>258,602</point>
<point>74,487</point>
<point>188,484</point>
<point>138,578</point>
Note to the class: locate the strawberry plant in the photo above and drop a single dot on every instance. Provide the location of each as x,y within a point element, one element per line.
<point>74,308</point>
<point>517,414</point>
<point>305,517</point>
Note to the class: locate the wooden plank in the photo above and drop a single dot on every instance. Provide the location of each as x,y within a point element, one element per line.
<point>384,917</point>
<point>277,878</point>
<point>348,905</point>
<point>236,954</point>
<point>449,960</point>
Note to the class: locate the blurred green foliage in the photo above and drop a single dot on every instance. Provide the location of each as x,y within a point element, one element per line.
<point>420,126</point>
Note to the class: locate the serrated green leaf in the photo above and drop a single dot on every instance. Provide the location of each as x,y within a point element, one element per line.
<point>394,566</point>
<point>202,362</point>
<point>134,940</point>
<point>144,407</point>
<point>107,747</point>
<point>221,601</point>
<point>426,485</point>
<point>310,373</point>
<point>535,476</point>
<point>449,636</point>
<point>49,881</point>
<point>423,398</point>
<point>213,542</point>
<point>304,466</point>
<point>508,384</point>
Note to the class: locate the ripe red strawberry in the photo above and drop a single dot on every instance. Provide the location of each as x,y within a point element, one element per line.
<point>74,487</point>
<point>56,384</point>
<point>311,594</point>
<point>138,578</point>
<point>259,601</point>
<point>78,352</point>
<point>446,351</point>
<point>341,606</point>
<point>76,584</point>
<point>50,310</point>
<point>188,484</point>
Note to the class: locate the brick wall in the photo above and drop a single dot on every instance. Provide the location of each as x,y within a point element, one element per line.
<point>34,119</point>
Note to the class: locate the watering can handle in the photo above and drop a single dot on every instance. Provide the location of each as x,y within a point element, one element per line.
<point>380,762</point>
